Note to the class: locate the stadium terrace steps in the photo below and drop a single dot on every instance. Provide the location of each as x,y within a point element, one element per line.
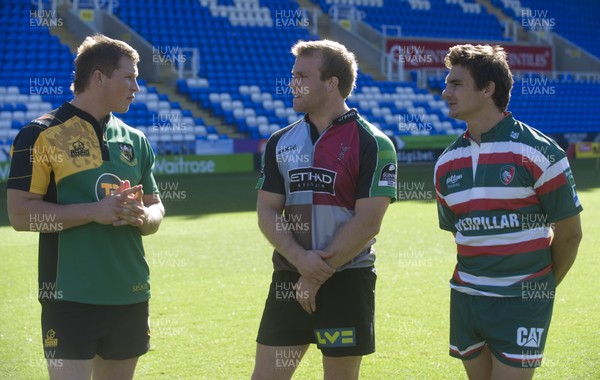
<point>36,78</point>
<point>245,72</point>
<point>324,27</point>
<point>502,17</point>
<point>170,90</point>
<point>255,95</point>
<point>66,38</point>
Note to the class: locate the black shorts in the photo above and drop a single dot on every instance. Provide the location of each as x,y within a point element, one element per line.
<point>78,331</point>
<point>343,325</point>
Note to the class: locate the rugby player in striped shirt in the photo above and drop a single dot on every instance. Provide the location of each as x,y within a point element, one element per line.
<point>506,192</point>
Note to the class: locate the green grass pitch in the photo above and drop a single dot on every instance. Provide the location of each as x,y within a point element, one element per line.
<point>210,269</point>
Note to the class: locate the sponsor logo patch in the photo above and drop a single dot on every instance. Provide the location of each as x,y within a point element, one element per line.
<point>342,337</point>
<point>79,150</point>
<point>572,187</point>
<point>388,176</point>
<point>51,340</point>
<point>531,337</point>
<point>318,180</point>
<point>453,181</point>
<point>106,184</point>
<point>288,149</point>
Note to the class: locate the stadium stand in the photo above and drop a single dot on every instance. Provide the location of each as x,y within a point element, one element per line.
<point>555,106</point>
<point>453,18</point>
<point>571,19</point>
<point>245,67</point>
<point>251,90</point>
<point>35,80</point>
<point>244,75</point>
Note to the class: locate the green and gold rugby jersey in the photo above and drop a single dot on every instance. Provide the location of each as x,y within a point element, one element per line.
<point>69,158</point>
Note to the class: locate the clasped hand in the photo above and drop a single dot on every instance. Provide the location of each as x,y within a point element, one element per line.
<point>314,271</point>
<point>122,207</point>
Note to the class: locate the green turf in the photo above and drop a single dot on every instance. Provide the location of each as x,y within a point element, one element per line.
<point>210,273</point>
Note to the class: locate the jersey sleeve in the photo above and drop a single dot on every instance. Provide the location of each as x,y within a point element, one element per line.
<point>446,218</point>
<point>378,169</point>
<point>556,190</point>
<point>147,181</point>
<point>31,161</point>
<point>270,178</point>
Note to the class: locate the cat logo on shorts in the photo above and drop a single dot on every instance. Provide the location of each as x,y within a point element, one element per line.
<point>51,340</point>
<point>336,337</point>
<point>529,337</point>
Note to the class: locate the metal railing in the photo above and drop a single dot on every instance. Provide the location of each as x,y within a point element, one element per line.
<point>187,64</point>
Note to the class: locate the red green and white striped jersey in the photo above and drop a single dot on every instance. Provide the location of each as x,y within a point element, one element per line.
<point>500,198</point>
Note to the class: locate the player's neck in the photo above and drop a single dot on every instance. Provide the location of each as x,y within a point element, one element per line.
<point>87,103</point>
<point>323,117</point>
<point>482,123</point>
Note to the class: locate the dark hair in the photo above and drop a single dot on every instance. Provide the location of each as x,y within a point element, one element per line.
<point>486,64</point>
<point>99,52</point>
<point>337,62</point>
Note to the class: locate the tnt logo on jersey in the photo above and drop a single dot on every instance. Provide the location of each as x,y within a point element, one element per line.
<point>531,337</point>
<point>343,337</point>
<point>106,184</point>
<point>388,176</point>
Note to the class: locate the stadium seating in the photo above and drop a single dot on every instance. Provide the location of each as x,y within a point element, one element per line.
<point>169,129</point>
<point>245,69</point>
<point>574,19</point>
<point>249,62</point>
<point>458,19</point>
<point>245,77</point>
<point>34,81</point>
<point>554,106</point>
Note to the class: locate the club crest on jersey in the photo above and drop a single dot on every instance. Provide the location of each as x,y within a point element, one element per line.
<point>507,173</point>
<point>127,154</point>
<point>343,150</point>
